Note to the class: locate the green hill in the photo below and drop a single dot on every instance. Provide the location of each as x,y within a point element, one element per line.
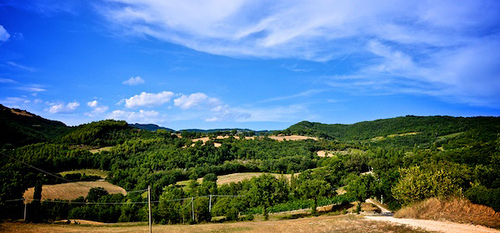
<point>428,125</point>
<point>99,133</point>
<point>20,127</point>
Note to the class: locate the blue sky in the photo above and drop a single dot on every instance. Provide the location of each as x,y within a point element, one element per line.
<point>249,63</point>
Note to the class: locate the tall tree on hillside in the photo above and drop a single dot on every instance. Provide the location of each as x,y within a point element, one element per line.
<point>265,191</point>
<point>34,210</point>
<point>314,189</point>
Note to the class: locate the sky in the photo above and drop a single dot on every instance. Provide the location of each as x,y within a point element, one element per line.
<point>249,63</point>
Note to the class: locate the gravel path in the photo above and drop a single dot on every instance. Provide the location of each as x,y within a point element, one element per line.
<point>431,225</point>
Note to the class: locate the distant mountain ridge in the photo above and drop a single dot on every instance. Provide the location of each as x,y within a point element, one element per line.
<point>150,127</point>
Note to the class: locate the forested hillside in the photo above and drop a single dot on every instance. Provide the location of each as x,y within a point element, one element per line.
<point>400,160</point>
<point>426,126</point>
<point>19,127</point>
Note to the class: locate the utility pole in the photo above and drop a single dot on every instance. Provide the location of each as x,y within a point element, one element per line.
<point>210,204</point>
<point>149,206</point>
<point>192,208</point>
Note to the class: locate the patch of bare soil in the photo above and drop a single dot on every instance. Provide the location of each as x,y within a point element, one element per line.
<point>439,226</point>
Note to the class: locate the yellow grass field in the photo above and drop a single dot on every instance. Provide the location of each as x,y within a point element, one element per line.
<point>71,191</point>
<point>94,151</point>
<point>324,153</point>
<point>341,224</point>
<point>235,177</point>
<point>88,172</point>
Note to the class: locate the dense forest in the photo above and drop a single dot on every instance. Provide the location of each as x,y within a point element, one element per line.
<point>400,160</point>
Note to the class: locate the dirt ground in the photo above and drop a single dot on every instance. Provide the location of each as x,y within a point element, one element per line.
<point>341,224</point>
<point>430,225</point>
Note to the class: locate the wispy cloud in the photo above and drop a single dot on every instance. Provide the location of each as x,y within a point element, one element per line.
<point>196,99</point>
<point>290,113</point>
<point>396,43</point>
<point>22,67</point>
<point>97,109</point>
<point>32,88</point>
<point>142,116</point>
<point>6,80</point>
<point>134,81</point>
<point>301,94</point>
<point>4,35</point>
<point>63,108</point>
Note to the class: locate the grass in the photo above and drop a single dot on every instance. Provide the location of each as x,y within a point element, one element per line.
<point>88,172</point>
<point>455,210</point>
<point>73,190</point>
<point>341,224</point>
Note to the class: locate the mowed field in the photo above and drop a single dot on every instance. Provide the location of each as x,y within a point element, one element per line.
<point>341,224</point>
<point>235,177</point>
<point>73,190</point>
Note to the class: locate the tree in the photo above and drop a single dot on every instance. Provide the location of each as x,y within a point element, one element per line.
<point>314,189</point>
<point>96,193</point>
<point>169,207</point>
<point>265,191</point>
<point>35,210</point>
<point>362,187</point>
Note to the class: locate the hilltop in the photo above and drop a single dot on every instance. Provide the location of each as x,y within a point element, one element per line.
<point>20,127</point>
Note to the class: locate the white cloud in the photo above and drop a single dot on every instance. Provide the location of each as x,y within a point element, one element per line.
<point>134,81</point>
<point>62,108</point>
<point>4,35</point>
<point>92,104</point>
<point>195,100</point>
<point>97,109</point>
<point>148,99</point>
<point>140,117</point>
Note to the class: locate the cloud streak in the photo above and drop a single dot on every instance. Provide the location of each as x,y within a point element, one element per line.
<point>397,44</point>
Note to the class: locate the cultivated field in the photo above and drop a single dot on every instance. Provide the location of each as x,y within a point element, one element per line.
<point>277,138</point>
<point>235,177</point>
<point>71,191</point>
<point>341,224</point>
<point>88,172</point>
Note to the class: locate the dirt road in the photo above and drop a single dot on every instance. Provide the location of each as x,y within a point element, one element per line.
<point>431,225</point>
